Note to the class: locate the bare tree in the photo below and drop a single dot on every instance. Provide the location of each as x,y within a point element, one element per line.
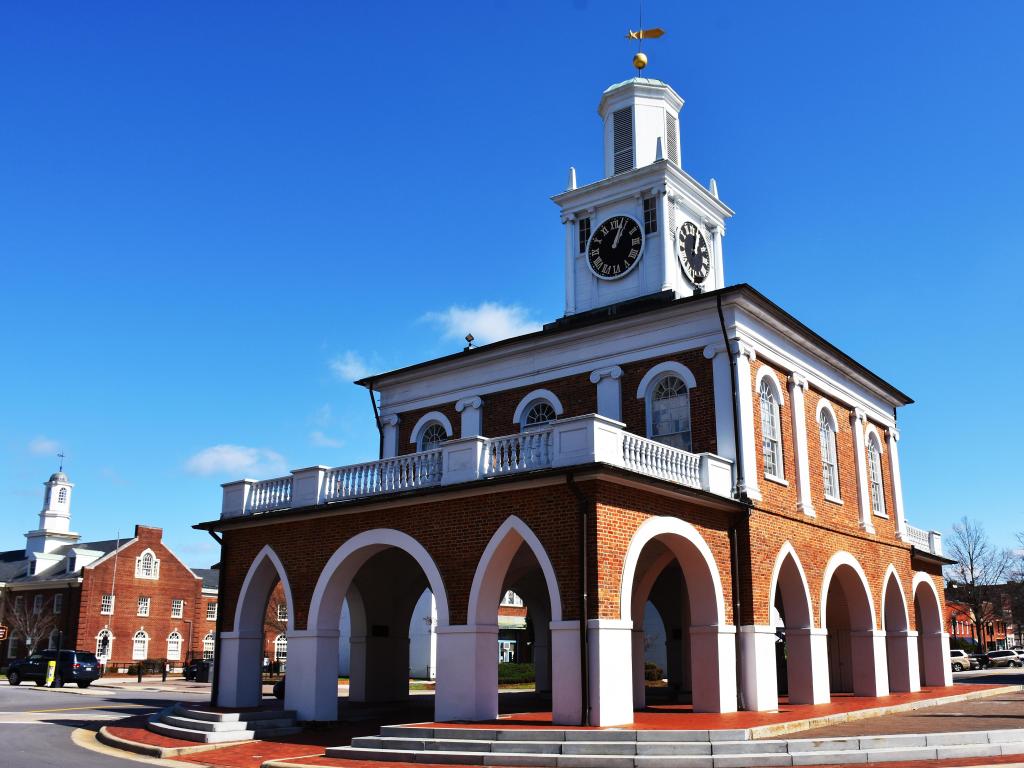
<point>979,566</point>
<point>31,620</point>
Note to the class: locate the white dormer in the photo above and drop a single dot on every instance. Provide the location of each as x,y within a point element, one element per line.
<point>147,565</point>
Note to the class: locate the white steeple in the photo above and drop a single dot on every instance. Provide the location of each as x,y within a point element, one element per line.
<point>639,114</point>
<point>55,517</point>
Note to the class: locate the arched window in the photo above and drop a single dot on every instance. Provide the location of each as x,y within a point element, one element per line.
<point>174,646</point>
<point>538,413</point>
<point>431,436</point>
<point>280,648</point>
<point>669,408</point>
<point>771,434</point>
<point>140,646</point>
<point>875,475</point>
<point>104,645</point>
<point>209,644</point>
<point>147,566</point>
<point>829,465</point>
<point>62,496</point>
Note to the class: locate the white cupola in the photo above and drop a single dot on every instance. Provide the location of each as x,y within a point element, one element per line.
<point>641,124</point>
<point>54,519</point>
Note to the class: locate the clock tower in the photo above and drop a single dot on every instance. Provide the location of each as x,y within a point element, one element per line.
<point>647,227</point>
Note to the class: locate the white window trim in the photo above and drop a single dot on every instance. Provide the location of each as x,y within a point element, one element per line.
<point>156,565</point>
<point>531,398</point>
<point>112,601</point>
<point>825,406</point>
<point>871,433</point>
<point>144,604</point>
<point>669,366</point>
<point>58,604</point>
<point>174,635</point>
<point>214,611</point>
<point>177,608</point>
<point>424,421</point>
<point>666,369</point>
<point>211,639</point>
<point>37,604</point>
<point>763,374</point>
<point>145,647</point>
<point>279,639</point>
<point>110,645</point>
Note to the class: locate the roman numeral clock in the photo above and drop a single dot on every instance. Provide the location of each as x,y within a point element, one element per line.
<point>615,247</point>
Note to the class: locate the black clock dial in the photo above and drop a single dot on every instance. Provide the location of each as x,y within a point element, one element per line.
<point>615,247</point>
<point>693,252</point>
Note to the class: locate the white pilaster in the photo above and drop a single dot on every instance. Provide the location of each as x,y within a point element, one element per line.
<point>725,432</point>
<point>471,409</point>
<point>758,676</point>
<point>566,687</point>
<point>745,355</point>
<point>893,438</point>
<point>857,419</point>
<point>571,234</point>
<point>934,660</point>
<point>797,387</point>
<point>609,391</point>
<point>807,651</point>
<point>714,671</point>
<point>901,656</point>
<point>390,426</point>
<point>870,671</point>
<point>241,661</point>
<point>609,642</point>
<point>467,673</point>
<point>667,240</point>
<point>307,485</point>
<point>312,689</point>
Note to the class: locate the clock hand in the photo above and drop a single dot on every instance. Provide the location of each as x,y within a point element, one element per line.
<point>615,242</point>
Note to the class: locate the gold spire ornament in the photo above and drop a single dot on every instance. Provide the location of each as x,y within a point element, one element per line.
<point>640,58</point>
<point>645,34</point>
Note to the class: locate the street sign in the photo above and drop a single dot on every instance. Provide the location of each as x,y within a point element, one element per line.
<point>3,632</point>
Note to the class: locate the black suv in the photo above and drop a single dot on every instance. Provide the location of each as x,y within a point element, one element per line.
<point>198,670</point>
<point>79,667</point>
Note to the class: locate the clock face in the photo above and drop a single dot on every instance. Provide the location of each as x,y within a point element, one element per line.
<point>693,252</point>
<point>615,247</point>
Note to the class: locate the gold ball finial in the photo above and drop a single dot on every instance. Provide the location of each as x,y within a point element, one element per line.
<point>640,60</point>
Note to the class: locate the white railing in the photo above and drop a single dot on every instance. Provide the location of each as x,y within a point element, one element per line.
<point>575,441</point>
<point>649,457</point>
<point>930,541</point>
<point>402,473</point>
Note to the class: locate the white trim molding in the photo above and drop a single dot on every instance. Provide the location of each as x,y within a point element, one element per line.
<point>797,383</point>
<point>764,372</point>
<point>424,420</point>
<point>538,394</point>
<point>669,366</point>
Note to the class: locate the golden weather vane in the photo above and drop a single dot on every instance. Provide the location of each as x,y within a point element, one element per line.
<point>640,59</point>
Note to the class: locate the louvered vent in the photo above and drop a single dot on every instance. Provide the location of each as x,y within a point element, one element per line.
<point>622,140</point>
<point>672,138</point>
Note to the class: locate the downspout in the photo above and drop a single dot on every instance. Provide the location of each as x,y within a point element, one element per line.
<point>583,507</point>
<point>376,419</point>
<point>734,539</point>
<point>218,625</point>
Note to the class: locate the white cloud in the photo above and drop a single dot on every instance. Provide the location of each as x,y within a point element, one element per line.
<point>237,461</point>
<point>488,322</point>
<point>42,446</point>
<point>349,366</point>
<point>319,438</point>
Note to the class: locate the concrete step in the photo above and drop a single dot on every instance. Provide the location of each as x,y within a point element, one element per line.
<point>205,737</point>
<point>226,725</point>
<point>555,734</point>
<point>226,717</point>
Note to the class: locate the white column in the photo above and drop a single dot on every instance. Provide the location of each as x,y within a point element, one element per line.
<point>717,234</point>
<point>893,438</point>
<point>610,642</point>
<point>467,673</point>
<point>566,688</point>
<point>357,668</point>
<point>857,419</point>
<point>571,224</point>
<point>713,649</point>
<point>390,426</point>
<point>870,671</point>
<point>758,676</point>
<point>609,391</point>
<point>471,409</point>
<point>667,239</point>
<point>935,669</point>
<point>725,434</point>
<point>901,656</point>
<point>745,354</point>
<point>807,651</point>
<point>312,690</point>
<point>241,661</point>
<point>797,387</point>
<point>639,661</point>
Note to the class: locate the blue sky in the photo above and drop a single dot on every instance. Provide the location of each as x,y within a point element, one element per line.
<point>212,216</point>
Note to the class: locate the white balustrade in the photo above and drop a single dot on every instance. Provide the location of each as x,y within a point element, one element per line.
<point>649,457</point>
<point>402,473</point>
<point>270,494</point>
<point>929,541</point>
<point>518,453</point>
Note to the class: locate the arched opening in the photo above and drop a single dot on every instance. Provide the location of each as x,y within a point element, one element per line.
<point>670,566</point>
<point>900,645</point>
<point>514,590</point>
<point>856,653</point>
<point>932,642</point>
<point>792,620</point>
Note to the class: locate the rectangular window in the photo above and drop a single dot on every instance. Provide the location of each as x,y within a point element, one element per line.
<point>211,611</point>
<point>58,603</point>
<point>177,609</point>
<point>584,230</point>
<point>143,606</point>
<point>622,140</point>
<point>107,605</point>
<point>19,604</point>
<point>37,604</point>
<point>672,138</point>
<point>282,612</point>
<point>650,215</point>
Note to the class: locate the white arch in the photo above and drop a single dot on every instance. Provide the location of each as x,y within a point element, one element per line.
<point>669,366</point>
<point>538,394</point>
<point>920,577</point>
<point>337,575</point>
<point>825,405</point>
<point>787,551</point>
<point>490,571</point>
<point>890,573</point>
<point>764,372</point>
<point>695,558</point>
<point>837,560</point>
<point>425,419</point>
<point>644,585</point>
<point>154,565</point>
<point>871,431</point>
<point>259,577</point>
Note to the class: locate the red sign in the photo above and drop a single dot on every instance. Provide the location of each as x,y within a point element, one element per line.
<point>3,633</point>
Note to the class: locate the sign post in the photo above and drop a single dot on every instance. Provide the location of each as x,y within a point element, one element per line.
<point>3,632</point>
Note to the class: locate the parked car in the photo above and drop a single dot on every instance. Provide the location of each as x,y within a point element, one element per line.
<point>981,659</point>
<point>1004,659</point>
<point>961,660</point>
<point>80,667</point>
<point>198,670</point>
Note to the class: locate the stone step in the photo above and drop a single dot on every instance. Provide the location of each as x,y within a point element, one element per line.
<point>226,717</point>
<point>205,737</point>
<point>225,725</point>
<point>555,734</point>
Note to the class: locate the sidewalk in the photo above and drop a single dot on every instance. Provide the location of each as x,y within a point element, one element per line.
<point>151,683</point>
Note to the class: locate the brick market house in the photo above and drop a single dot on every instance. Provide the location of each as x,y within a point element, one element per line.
<point>669,441</point>
<point>127,600</point>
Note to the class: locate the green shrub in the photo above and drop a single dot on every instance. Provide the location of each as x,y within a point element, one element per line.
<point>652,671</point>
<point>516,673</point>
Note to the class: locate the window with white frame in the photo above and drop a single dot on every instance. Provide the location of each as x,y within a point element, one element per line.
<point>431,436</point>
<point>19,604</point>
<point>107,605</point>
<point>147,566</point>
<point>209,645</point>
<point>37,604</point>
<point>669,408</point>
<point>140,646</point>
<point>177,608</point>
<point>174,646</point>
<point>875,475</point>
<point>58,603</point>
<point>104,645</point>
<point>211,611</point>
<point>62,495</point>
<point>538,413</point>
<point>143,606</point>
<point>771,442</point>
<point>829,464</point>
<point>280,648</point>
<point>282,612</point>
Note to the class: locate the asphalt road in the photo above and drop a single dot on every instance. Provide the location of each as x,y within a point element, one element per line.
<point>36,724</point>
<point>999,676</point>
